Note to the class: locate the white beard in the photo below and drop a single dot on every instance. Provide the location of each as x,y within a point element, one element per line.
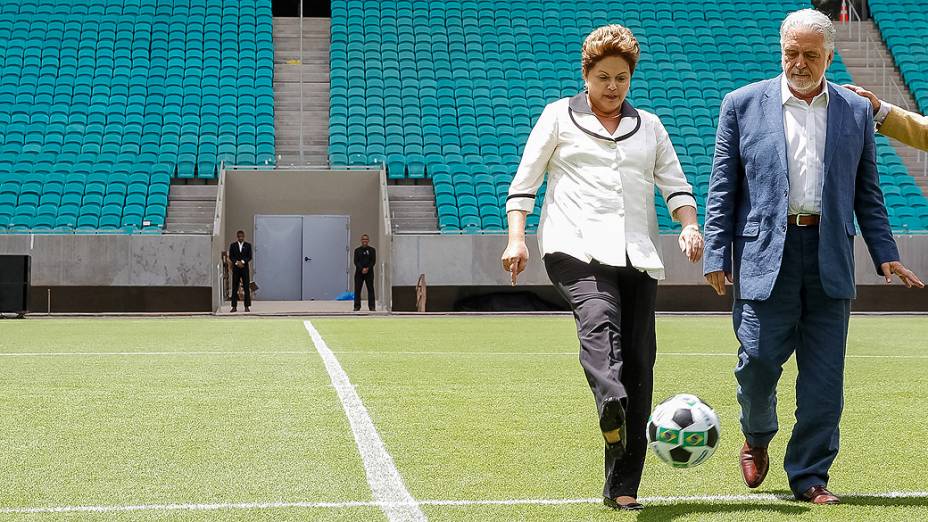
<point>803,86</point>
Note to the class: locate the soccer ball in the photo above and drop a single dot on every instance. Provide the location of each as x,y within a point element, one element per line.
<point>683,431</point>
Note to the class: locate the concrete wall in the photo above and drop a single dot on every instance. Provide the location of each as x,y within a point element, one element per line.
<point>454,260</point>
<point>114,260</point>
<point>385,242</point>
<point>356,193</point>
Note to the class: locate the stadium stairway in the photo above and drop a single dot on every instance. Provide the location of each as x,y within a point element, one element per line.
<point>412,208</point>
<point>864,66</point>
<point>191,209</point>
<point>315,90</point>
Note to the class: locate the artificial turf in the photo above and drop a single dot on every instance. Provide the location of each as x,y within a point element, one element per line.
<point>475,408</point>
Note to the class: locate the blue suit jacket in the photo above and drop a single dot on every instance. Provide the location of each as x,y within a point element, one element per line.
<point>747,204</point>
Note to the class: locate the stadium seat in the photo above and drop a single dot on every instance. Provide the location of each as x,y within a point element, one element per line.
<point>470,96</point>
<point>82,106</point>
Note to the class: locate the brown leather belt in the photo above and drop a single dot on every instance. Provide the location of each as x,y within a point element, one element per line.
<point>803,220</point>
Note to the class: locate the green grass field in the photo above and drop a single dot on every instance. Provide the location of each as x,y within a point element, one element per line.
<point>111,413</point>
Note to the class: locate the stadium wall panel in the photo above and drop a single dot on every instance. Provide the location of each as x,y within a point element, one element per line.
<point>459,261</point>
<point>115,260</point>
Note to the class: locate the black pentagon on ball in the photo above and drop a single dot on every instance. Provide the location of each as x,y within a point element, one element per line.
<point>683,417</point>
<point>652,431</point>
<point>713,437</point>
<point>680,455</point>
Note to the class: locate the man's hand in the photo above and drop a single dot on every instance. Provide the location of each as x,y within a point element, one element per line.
<point>860,91</point>
<point>515,258</point>
<point>240,263</point>
<point>364,270</point>
<point>717,281</point>
<point>905,275</point>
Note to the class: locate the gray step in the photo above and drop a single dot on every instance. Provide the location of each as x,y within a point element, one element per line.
<point>285,72</point>
<point>875,71</point>
<point>193,203</point>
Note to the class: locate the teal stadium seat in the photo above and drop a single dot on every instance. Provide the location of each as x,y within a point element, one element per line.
<point>102,102</point>
<point>468,95</point>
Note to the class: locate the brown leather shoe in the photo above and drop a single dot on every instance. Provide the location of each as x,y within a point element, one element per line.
<point>754,465</point>
<point>820,495</point>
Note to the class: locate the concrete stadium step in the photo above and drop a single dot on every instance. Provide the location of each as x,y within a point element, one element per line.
<point>872,67</point>
<point>412,208</point>
<point>309,81</point>
<point>191,209</point>
<point>284,72</point>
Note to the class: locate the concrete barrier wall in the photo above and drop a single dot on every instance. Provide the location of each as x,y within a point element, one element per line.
<point>455,260</point>
<point>115,260</point>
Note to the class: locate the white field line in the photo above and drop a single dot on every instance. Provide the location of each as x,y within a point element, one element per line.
<point>386,352</point>
<point>101,354</point>
<point>384,479</point>
<point>702,499</point>
<point>659,353</point>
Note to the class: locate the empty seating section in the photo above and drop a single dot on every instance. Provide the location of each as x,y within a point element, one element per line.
<point>450,90</point>
<point>102,102</point>
<point>904,26</point>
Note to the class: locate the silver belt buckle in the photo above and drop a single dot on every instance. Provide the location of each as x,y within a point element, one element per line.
<point>798,217</point>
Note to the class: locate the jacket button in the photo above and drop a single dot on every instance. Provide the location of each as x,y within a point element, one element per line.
<point>614,165</point>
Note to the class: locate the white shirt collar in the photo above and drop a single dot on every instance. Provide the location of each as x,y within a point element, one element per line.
<point>786,95</point>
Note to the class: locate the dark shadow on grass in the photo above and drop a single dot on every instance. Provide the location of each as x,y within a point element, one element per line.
<point>865,500</point>
<point>900,501</point>
<point>662,512</point>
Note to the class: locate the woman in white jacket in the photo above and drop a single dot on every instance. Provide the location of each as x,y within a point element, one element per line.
<point>598,236</point>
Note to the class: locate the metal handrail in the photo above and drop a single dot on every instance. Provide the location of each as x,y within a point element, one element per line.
<point>302,158</point>
<point>220,197</point>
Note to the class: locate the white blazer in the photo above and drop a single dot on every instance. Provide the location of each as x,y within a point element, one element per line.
<point>600,197</point>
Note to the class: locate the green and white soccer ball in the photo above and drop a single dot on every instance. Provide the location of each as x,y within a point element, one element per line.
<point>683,431</point>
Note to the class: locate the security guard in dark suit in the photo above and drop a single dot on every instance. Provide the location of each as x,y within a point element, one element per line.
<point>365,257</point>
<point>240,256</point>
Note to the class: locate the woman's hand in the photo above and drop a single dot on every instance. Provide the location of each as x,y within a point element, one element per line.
<point>515,258</point>
<point>691,243</point>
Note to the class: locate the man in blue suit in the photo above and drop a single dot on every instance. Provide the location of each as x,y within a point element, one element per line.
<point>794,163</point>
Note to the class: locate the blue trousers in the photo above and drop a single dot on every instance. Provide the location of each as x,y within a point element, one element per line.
<point>798,317</point>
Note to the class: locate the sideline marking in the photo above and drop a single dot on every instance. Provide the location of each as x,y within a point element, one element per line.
<point>733,355</point>
<point>761,497</point>
<point>100,354</point>
<point>387,485</point>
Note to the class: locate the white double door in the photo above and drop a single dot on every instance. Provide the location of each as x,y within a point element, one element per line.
<point>301,258</point>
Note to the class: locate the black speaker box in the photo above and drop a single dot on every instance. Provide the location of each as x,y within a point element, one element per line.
<point>14,284</point>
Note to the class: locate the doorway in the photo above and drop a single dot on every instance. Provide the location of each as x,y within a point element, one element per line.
<point>301,258</point>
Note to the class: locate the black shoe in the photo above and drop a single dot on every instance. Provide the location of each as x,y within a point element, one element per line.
<point>247,309</point>
<point>372,309</point>
<point>631,506</point>
<point>233,309</point>
<point>613,418</point>
<point>358,309</point>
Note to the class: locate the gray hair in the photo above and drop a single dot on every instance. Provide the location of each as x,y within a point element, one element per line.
<point>810,19</point>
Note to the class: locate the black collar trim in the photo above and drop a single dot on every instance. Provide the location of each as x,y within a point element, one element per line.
<point>581,104</point>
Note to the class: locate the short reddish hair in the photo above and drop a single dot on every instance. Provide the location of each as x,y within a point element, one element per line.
<point>610,40</point>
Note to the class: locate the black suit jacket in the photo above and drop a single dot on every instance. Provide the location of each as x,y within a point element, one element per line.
<point>243,255</point>
<point>365,257</point>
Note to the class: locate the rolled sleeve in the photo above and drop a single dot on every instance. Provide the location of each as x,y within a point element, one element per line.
<point>668,174</point>
<point>531,172</point>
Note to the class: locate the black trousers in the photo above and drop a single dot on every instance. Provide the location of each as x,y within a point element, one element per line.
<point>614,311</point>
<point>240,275</point>
<point>359,280</point>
